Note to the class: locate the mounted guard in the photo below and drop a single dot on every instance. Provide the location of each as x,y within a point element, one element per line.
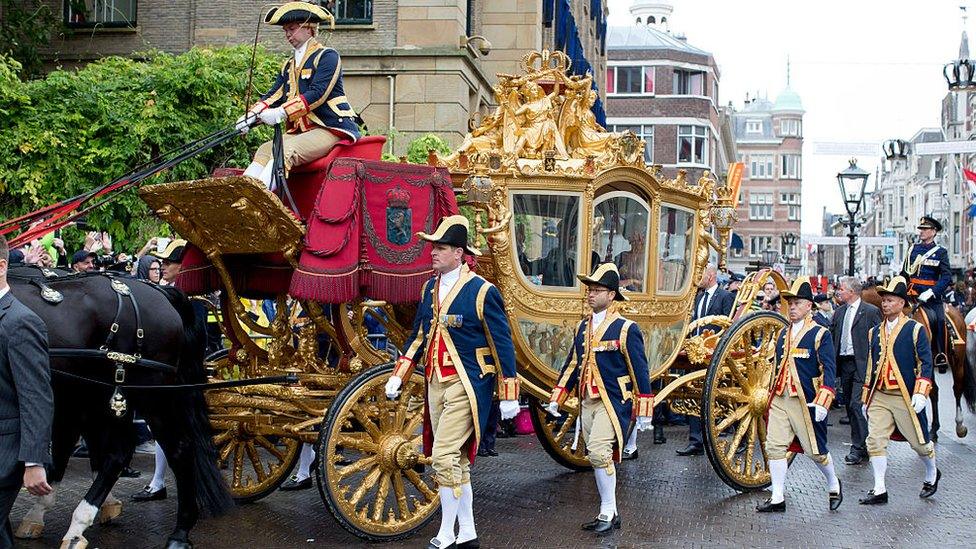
<point>307,95</point>
<point>926,270</point>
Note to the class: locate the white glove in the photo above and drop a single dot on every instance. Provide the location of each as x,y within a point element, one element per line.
<point>272,116</point>
<point>509,408</point>
<point>553,409</point>
<point>819,412</point>
<point>925,296</point>
<point>918,402</point>
<point>864,410</point>
<point>393,387</point>
<point>644,423</point>
<point>245,122</point>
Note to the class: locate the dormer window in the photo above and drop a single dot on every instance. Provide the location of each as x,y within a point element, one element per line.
<point>790,127</point>
<point>753,126</point>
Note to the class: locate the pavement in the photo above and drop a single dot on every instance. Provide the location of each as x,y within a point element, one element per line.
<point>524,499</point>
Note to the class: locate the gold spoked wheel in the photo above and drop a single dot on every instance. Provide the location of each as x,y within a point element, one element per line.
<point>734,400</point>
<point>254,464</point>
<point>372,474</point>
<point>558,435</point>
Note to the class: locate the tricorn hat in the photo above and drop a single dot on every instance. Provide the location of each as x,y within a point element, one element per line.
<point>606,275</point>
<point>820,298</point>
<point>929,222</point>
<point>800,289</point>
<point>896,287</point>
<point>298,12</point>
<point>173,252</point>
<point>453,231</point>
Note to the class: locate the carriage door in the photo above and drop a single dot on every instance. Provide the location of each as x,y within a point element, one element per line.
<point>621,230</point>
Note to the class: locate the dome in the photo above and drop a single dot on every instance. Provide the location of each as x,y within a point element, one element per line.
<point>788,100</point>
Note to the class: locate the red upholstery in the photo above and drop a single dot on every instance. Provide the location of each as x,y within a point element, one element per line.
<point>305,181</point>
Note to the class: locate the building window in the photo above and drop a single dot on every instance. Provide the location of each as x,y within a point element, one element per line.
<point>100,13</point>
<point>759,244</point>
<point>692,144</point>
<point>736,252</point>
<point>753,126</point>
<point>761,166</point>
<point>630,80</point>
<point>645,132</point>
<point>351,12</point>
<point>688,82</point>
<point>792,202</point>
<point>761,206</point>
<point>790,127</point>
<point>789,167</point>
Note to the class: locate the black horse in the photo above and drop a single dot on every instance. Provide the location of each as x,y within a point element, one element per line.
<point>89,316</point>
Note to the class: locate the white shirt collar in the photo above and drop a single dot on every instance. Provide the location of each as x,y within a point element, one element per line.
<point>890,324</point>
<point>797,326</point>
<point>4,291</point>
<point>598,318</point>
<point>711,289</point>
<point>855,304</point>
<point>451,277</point>
<point>300,52</point>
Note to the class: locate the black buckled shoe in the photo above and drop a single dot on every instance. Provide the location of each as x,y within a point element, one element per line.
<point>691,450</point>
<point>630,455</point>
<point>929,489</point>
<point>837,497</point>
<point>854,458</point>
<point>874,499</point>
<point>769,507</point>
<point>601,526</point>
<point>146,494</point>
<point>294,484</point>
<point>434,544</point>
<point>470,544</point>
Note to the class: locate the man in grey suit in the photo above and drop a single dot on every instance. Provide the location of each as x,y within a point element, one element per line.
<point>849,330</point>
<point>26,401</point>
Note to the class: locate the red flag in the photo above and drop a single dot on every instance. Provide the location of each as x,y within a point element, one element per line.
<point>969,175</point>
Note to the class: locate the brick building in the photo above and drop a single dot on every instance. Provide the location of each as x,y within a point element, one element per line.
<point>769,140</point>
<point>666,90</point>
<point>406,63</point>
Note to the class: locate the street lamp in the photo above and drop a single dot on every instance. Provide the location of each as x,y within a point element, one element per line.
<point>789,241</point>
<point>852,181</point>
<point>769,256</point>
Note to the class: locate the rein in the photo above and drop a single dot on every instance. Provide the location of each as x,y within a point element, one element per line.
<point>206,386</point>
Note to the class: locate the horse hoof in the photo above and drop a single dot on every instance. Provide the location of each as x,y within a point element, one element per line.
<point>962,431</point>
<point>109,512</point>
<point>74,543</point>
<point>177,544</point>
<point>29,530</point>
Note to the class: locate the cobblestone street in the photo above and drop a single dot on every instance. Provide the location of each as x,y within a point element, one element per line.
<point>524,499</point>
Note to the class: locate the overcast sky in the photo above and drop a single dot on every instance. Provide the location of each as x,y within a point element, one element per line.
<point>866,70</point>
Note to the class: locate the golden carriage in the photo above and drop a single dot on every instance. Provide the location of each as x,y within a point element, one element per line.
<point>551,193</point>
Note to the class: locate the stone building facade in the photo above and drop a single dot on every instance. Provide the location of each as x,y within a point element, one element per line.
<point>406,63</point>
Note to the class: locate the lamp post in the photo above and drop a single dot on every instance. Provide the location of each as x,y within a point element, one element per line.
<point>852,181</point>
<point>769,256</point>
<point>789,241</point>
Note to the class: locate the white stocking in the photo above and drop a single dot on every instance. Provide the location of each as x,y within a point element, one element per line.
<point>631,442</point>
<point>777,472</point>
<point>449,513</point>
<point>879,464</point>
<point>833,485</point>
<point>266,174</point>
<point>465,518</point>
<point>158,481</point>
<point>930,470</point>
<point>254,170</point>
<point>606,484</point>
<point>305,462</point>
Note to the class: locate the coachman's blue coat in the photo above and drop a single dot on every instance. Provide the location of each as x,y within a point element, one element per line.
<point>477,335</point>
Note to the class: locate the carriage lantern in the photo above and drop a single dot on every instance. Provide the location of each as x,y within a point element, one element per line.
<point>477,187</point>
<point>895,149</point>
<point>852,181</point>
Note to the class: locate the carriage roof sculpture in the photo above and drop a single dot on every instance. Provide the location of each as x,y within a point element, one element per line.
<point>551,192</point>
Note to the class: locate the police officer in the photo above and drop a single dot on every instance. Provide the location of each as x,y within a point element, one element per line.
<point>896,387</point>
<point>607,370</point>
<point>307,95</point>
<point>462,338</point>
<point>926,271</point>
<point>803,389</point>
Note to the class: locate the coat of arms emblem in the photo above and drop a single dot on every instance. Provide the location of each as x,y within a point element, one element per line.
<point>398,218</point>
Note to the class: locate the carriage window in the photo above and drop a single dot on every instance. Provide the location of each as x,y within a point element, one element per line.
<point>547,238</point>
<point>620,234</point>
<point>675,239</point>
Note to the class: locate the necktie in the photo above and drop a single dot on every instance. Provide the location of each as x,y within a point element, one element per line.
<point>846,336</point>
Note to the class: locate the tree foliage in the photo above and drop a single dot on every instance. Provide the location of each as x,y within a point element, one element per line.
<point>25,26</point>
<point>75,130</point>
<point>419,148</point>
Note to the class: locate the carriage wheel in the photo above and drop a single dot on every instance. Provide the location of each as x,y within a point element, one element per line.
<point>254,464</point>
<point>371,470</point>
<point>557,434</point>
<point>734,400</point>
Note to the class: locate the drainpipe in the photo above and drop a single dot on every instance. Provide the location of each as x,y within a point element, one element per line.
<point>392,79</point>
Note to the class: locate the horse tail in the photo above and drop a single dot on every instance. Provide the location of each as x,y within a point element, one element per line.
<point>211,490</point>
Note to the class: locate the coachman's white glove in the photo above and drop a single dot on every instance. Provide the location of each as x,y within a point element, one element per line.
<point>819,412</point>
<point>245,122</point>
<point>553,409</point>
<point>925,296</point>
<point>509,408</point>
<point>644,423</point>
<point>272,116</point>
<point>393,387</point>
<point>918,402</point>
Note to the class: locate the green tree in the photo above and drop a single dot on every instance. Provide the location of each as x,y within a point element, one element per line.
<point>25,27</point>
<point>75,130</point>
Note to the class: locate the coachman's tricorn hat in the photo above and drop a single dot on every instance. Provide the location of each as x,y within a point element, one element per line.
<point>298,12</point>
<point>928,222</point>
<point>606,275</point>
<point>452,231</point>
<point>173,252</point>
<point>896,287</point>
<point>800,289</point>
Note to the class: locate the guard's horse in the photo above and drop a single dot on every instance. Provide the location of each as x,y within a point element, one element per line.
<point>156,340</point>
<point>963,368</point>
